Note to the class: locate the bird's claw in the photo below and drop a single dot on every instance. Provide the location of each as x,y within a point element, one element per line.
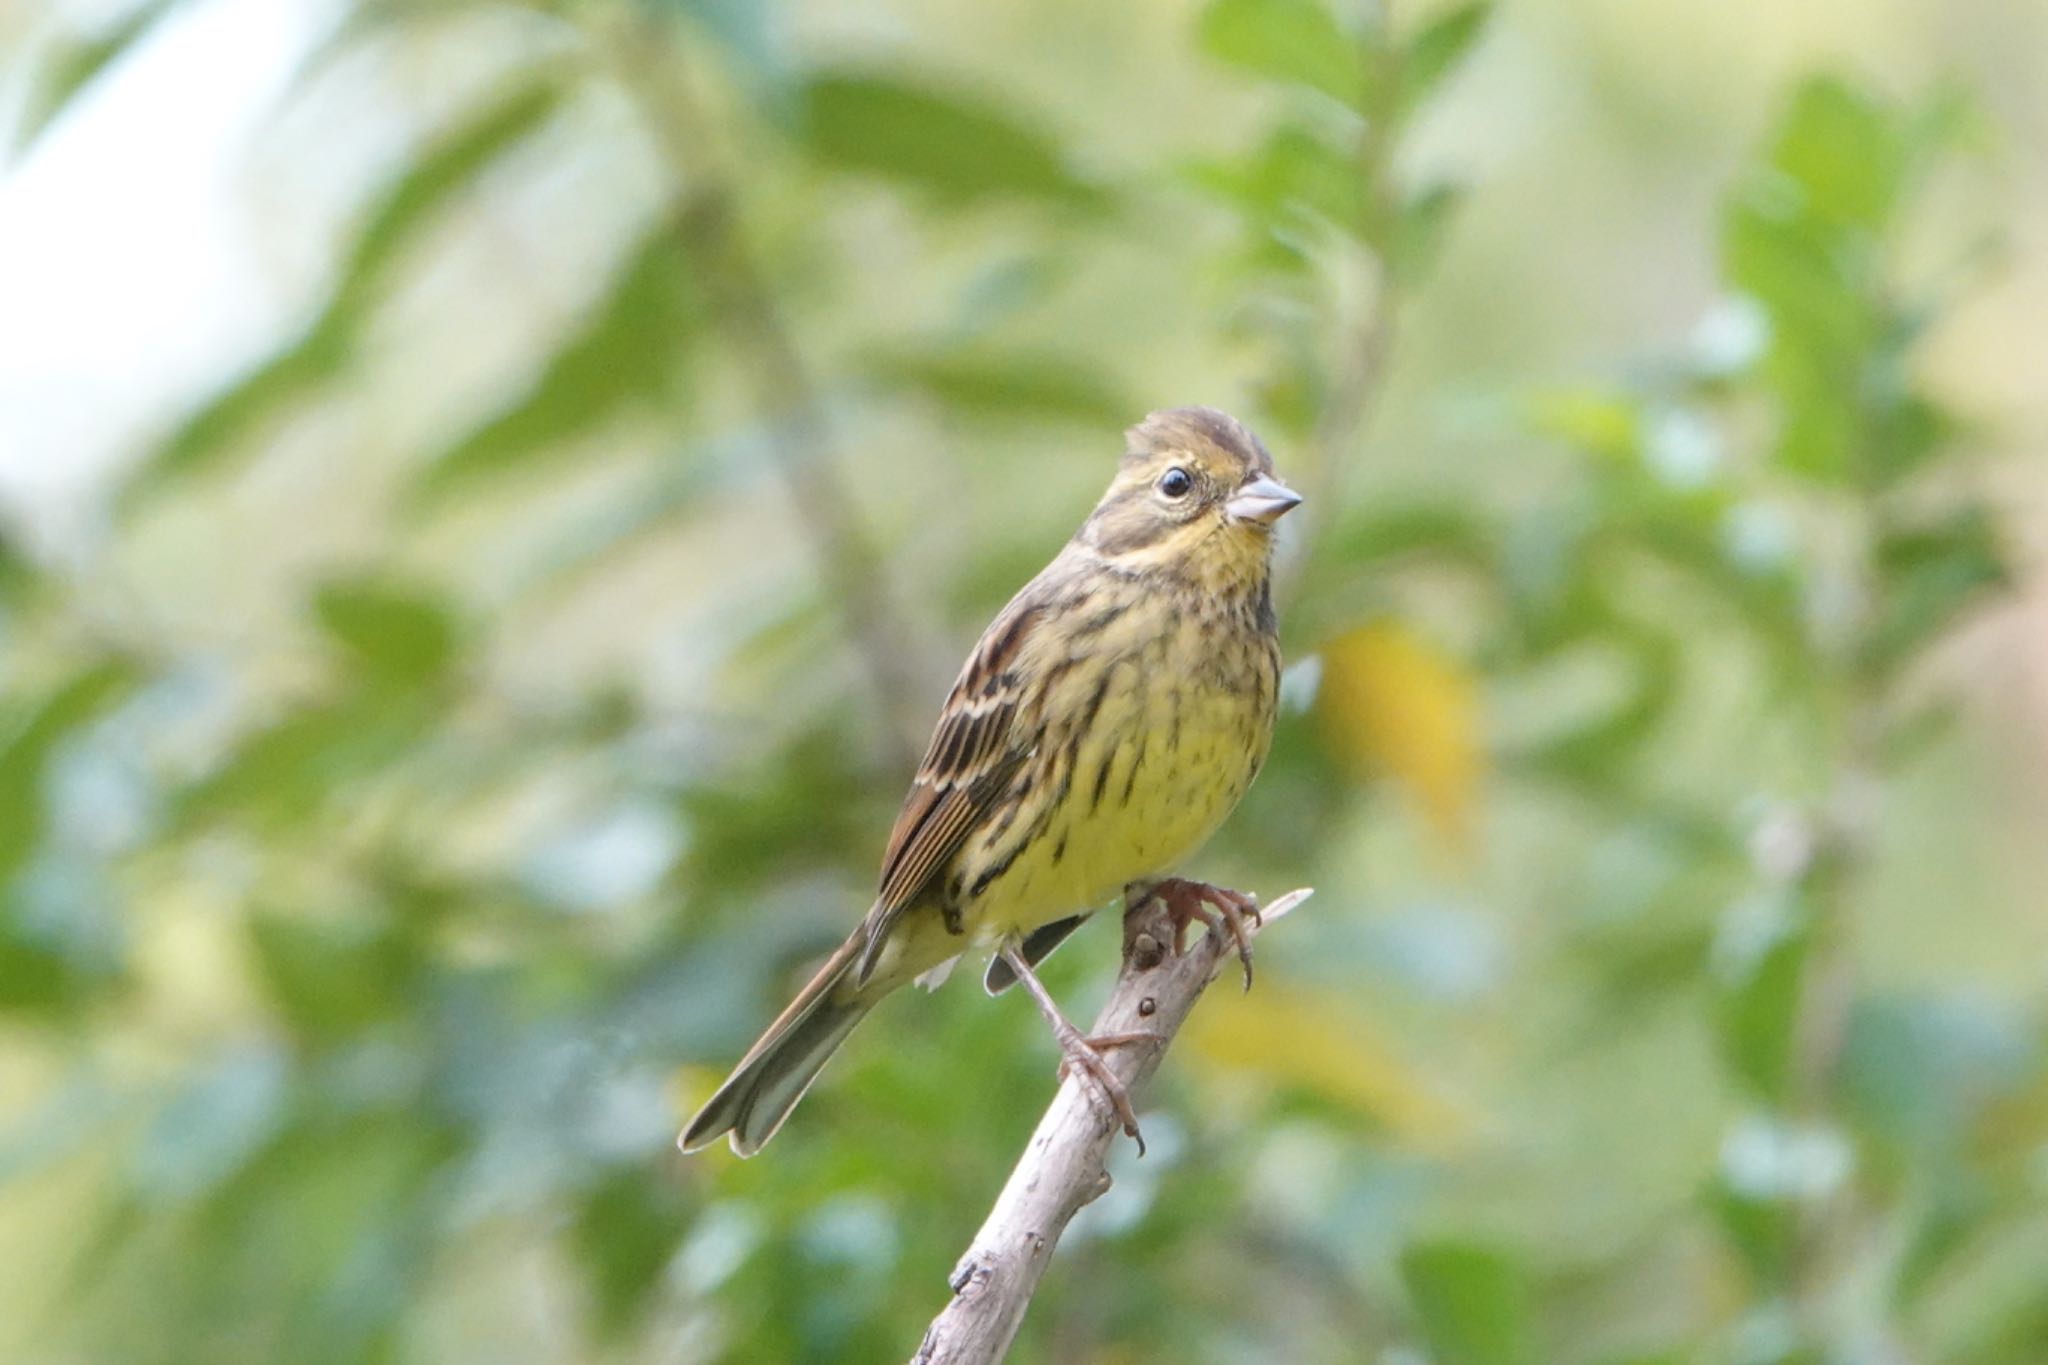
<point>1219,908</point>
<point>1084,1055</point>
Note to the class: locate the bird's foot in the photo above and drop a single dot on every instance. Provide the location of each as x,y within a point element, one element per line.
<point>1224,912</point>
<point>1082,1054</point>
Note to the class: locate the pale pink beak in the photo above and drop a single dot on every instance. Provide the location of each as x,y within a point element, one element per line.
<point>1264,500</point>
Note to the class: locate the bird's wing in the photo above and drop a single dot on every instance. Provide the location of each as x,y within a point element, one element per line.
<point>974,753</point>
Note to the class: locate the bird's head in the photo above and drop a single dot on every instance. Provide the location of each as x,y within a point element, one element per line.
<point>1195,491</point>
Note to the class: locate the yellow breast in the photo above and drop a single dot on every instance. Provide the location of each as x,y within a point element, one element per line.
<point>1161,742</point>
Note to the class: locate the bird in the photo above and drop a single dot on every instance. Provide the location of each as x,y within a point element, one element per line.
<point>1108,720</point>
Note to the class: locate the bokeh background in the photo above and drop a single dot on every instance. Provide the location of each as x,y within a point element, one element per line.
<point>493,493</point>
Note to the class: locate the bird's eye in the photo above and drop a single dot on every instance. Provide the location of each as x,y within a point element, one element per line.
<point>1176,482</point>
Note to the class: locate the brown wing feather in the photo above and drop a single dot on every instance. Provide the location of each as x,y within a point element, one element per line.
<point>974,752</point>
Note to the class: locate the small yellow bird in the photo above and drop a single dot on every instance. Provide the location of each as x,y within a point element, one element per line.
<point>1110,718</point>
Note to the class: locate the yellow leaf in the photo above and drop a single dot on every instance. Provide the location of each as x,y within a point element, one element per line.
<point>1391,703</point>
<point>1322,1043</point>
<point>1594,421</point>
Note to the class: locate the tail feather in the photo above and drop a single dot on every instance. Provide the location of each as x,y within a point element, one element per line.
<point>779,1068</point>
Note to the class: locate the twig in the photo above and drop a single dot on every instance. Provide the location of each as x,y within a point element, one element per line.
<point>786,397</point>
<point>1062,1169</point>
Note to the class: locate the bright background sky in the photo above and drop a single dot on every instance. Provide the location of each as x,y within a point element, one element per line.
<point>166,132</point>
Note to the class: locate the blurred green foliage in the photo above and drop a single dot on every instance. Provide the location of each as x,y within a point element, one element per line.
<point>357,981</point>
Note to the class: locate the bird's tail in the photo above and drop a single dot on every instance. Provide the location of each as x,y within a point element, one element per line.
<point>779,1068</point>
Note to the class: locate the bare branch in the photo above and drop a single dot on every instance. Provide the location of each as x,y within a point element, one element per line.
<point>1062,1169</point>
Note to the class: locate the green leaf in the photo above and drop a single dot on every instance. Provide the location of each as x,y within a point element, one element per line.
<point>1905,432</point>
<point>1809,286</point>
<point>1438,49</point>
<point>801,811</point>
<point>957,147</point>
<point>397,636</point>
<point>452,161</point>
<point>1007,386</point>
<point>20,575</point>
<point>1772,254</point>
<point>2010,1332</point>
<point>227,426</point>
<point>1590,752</point>
<point>1287,40</point>
<point>1759,1009</point>
<point>281,775</point>
<point>30,733</point>
<point>76,62</point>
<point>1928,577</point>
<point>626,1234</point>
<point>1762,1232</point>
<point>1805,235</point>
<point>1941,1234</point>
<point>1454,533</point>
<point>1473,1303</point>
<point>35,977</point>
<point>1822,328</point>
<point>330,981</point>
<point>1761,588</point>
<point>1846,153</point>
<point>1419,233</point>
<point>1296,171</point>
<point>631,352</point>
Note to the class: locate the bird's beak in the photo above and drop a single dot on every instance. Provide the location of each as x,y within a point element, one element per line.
<point>1264,500</point>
